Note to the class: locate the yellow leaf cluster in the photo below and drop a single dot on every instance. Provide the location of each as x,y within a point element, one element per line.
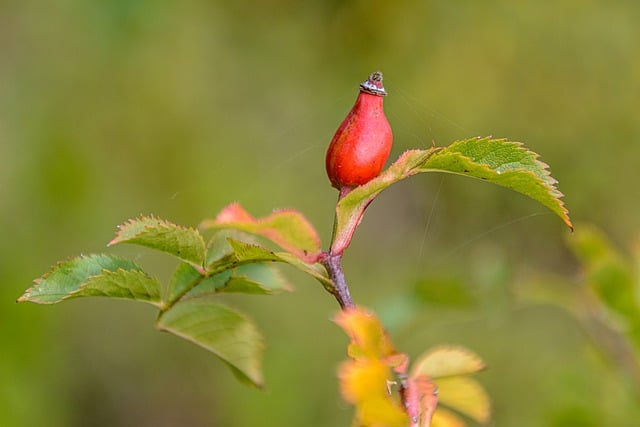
<point>449,368</point>
<point>375,370</point>
<point>367,378</point>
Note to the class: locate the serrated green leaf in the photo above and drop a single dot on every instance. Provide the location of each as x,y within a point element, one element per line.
<point>218,246</point>
<point>127,284</point>
<point>221,330</point>
<point>154,233</point>
<point>258,279</point>
<point>255,279</point>
<point>499,161</point>
<point>244,253</point>
<point>241,253</point>
<point>287,228</point>
<point>94,275</point>
<point>502,162</point>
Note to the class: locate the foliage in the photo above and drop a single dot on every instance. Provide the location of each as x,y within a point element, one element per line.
<point>188,306</point>
<point>498,161</point>
<point>439,376</point>
<point>100,124</point>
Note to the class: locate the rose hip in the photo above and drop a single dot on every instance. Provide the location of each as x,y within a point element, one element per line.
<point>361,145</point>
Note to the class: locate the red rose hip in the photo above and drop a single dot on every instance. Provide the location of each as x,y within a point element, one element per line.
<point>361,145</point>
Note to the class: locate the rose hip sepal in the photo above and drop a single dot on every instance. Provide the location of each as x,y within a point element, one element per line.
<point>361,145</point>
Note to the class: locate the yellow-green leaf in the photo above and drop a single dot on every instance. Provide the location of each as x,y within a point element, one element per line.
<point>466,396</point>
<point>445,418</point>
<point>448,361</point>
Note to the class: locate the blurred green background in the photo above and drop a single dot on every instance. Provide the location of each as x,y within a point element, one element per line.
<point>116,108</point>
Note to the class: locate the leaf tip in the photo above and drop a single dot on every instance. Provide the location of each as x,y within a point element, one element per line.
<point>569,224</point>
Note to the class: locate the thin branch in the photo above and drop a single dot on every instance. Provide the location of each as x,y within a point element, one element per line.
<point>333,264</point>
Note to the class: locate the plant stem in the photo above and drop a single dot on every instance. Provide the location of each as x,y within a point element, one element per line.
<point>333,264</point>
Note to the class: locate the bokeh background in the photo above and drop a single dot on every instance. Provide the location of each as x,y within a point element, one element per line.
<point>113,109</point>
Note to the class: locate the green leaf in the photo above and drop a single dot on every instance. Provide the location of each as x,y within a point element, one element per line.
<point>223,331</point>
<point>287,228</point>
<point>499,161</point>
<point>184,243</point>
<point>218,246</point>
<point>244,269</point>
<point>256,279</point>
<point>184,278</point>
<point>94,275</point>
<point>244,253</point>
<point>502,162</point>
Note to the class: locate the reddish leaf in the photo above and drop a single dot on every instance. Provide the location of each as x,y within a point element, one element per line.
<point>287,228</point>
